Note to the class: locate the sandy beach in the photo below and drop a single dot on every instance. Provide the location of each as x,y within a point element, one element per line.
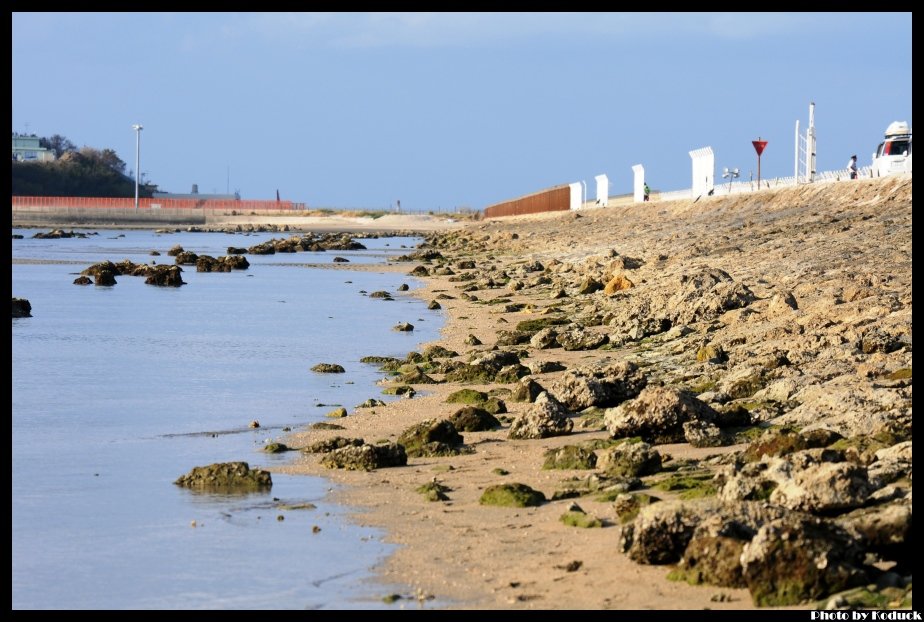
<point>826,270</point>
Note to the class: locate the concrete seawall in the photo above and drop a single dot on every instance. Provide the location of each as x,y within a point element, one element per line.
<point>33,216</point>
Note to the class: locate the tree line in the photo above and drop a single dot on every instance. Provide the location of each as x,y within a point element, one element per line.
<point>84,172</point>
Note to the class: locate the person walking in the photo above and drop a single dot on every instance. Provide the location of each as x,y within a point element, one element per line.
<point>647,191</point>
<point>852,167</point>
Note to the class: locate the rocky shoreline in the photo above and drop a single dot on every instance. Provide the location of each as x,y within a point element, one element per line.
<point>719,393</point>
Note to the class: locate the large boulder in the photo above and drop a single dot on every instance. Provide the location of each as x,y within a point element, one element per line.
<point>891,463</point>
<point>365,457</point>
<point>576,337</point>
<point>331,444</point>
<point>226,477</point>
<point>661,531</point>
<point>165,276</point>
<point>545,417</point>
<point>22,307</point>
<point>811,480</point>
<point>495,366</point>
<point>885,530</point>
<point>545,338</point>
<point>602,385</point>
<point>657,415</point>
<point>796,559</point>
<point>713,554</point>
<point>431,438</point>
<point>527,390</point>
<point>186,258</point>
<point>104,278</point>
<point>473,419</point>
<point>569,457</point>
<point>630,460</point>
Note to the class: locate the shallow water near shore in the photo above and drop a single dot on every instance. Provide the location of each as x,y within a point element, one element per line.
<point>118,391</point>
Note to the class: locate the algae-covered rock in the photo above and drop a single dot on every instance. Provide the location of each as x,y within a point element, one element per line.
<point>365,457</point>
<point>328,368</point>
<point>404,390</point>
<point>580,519</point>
<point>627,505</point>
<point>569,457</point>
<point>713,555</point>
<point>403,327</point>
<point>785,440</point>
<point>330,444</point>
<point>434,491</point>
<point>276,448</point>
<point>466,396</point>
<point>512,495</point>
<point>226,476</point>
<point>494,405</point>
<point>323,425</point>
<point>526,390</point>
<point>431,438</point>
<point>661,532</point>
<point>797,558</point>
<point>473,419</point>
<point>337,413</point>
<point>371,403</point>
<point>630,460</point>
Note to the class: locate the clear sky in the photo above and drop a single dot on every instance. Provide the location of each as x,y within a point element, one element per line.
<point>444,110</point>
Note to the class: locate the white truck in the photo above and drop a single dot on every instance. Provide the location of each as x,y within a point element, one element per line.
<point>894,153</point>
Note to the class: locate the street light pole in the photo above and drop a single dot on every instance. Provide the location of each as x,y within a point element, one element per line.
<point>137,127</point>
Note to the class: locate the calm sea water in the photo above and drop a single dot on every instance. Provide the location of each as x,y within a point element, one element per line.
<point>118,391</point>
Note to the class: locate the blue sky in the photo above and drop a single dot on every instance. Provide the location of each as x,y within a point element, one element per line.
<point>444,110</point>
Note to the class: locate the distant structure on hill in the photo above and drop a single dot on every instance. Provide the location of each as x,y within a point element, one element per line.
<point>194,194</point>
<point>29,149</point>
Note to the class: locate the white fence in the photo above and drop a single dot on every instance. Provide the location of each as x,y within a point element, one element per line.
<point>740,187</point>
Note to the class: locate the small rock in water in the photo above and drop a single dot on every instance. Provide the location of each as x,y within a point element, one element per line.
<point>280,517</point>
<point>253,424</point>
<point>315,529</point>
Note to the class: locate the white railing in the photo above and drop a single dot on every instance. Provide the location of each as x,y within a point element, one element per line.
<point>740,187</point>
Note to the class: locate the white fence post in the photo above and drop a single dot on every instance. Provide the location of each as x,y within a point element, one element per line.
<point>638,183</point>
<point>703,164</point>
<point>603,190</point>
<point>575,201</point>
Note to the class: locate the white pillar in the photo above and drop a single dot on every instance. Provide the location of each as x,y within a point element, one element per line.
<point>703,164</point>
<point>638,183</point>
<point>575,195</point>
<point>603,190</point>
<point>796,175</point>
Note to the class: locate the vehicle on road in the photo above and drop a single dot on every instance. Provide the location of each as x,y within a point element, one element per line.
<point>894,153</point>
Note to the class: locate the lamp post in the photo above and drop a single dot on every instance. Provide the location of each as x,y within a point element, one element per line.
<point>137,127</point>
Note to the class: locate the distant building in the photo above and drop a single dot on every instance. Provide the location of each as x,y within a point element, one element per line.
<point>195,195</point>
<point>29,149</point>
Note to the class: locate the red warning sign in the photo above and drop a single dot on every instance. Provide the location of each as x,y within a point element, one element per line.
<point>759,146</point>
